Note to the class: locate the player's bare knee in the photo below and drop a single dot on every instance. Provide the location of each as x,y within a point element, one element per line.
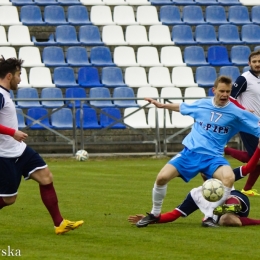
<point>229,220</point>
<point>10,200</point>
<point>42,176</point>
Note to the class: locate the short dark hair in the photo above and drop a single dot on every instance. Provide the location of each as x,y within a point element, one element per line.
<point>253,53</point>
<point>10,65</point>
<point>222,79</point>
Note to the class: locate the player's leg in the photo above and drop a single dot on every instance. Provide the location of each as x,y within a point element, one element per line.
<point>230,220</point>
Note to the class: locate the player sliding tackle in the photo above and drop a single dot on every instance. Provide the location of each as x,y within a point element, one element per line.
<point>216,121</point>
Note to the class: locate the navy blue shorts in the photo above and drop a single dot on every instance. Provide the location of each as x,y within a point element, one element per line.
<point>12,170</point>
<point>245,203</point>
<point>250,142</point>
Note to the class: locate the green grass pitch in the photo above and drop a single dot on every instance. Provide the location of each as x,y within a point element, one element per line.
<point>103,192</point>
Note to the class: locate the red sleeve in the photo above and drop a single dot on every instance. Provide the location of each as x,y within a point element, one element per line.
<point>6,130</point>
<point>234,101</point>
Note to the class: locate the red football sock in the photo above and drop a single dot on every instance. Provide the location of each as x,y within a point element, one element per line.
<point>2,203</point>
<point>242,156</point>
<point>50,201</point>
<point>251,165</point>
<point>170,216</point>
<point>252,178</point>
<point>249,221</point>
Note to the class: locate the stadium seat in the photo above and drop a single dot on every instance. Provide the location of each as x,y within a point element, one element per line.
<point>31,15</point>
<point>246,68</point>
<point>161,114</point>
<point>50,42</point>
<point>170,15</point>
<point>256,48</point>
<point>89,35</point>
<point>210,93</point>
<point>136,35</point>
<point>206,2</point>
<point>138,2</point>
<point>40,77</point>
<point>192,15</point>
<point>147,15</point>
<point>3,38</point>
<point>15,2</point>
<point>181,121</point>
<point>215,14</point>
<point>92,2</point>
<point>124,56</point>
<point>53,56</point>
<point>115,2</point>
<point>108,116</point>
<point>249,2</point>
<point>160,35</point>
<point>172,95</point>
<point>228,34</point>
<point>31,56</point>
<point>193,94</point>
<point>182,77</point>
<point>171,56</point>
<point>124,15</point>
<point>19,35</point>
<point>101,15</point>
<point>100,56</point>
<point>87,119</point>
<point>88,77</point>
<point>194,56</point>
<point>161,2</point>
<point>143,92</point>
<point>78,15</point>
<point>135,118</point>
<point>205,76</point>
<point>63,77</point>
<point>98,93</point>
<point>218,56</point>
<point>39,114</point>
<point>24,79</point>
<point>148,56</point>
<point>229,2</point>
<point>136,77</point>
<point>183,2</point>
<point>66,35</point>
<point>8,52</point>
<point>255,14</point>
<point>182,35</point>
<point>230,71</point>
<point>205,34</point>
<point>52,93</point>
<point>68,2</point>
<point>238,15</point>
<point>20,118</point>
<point>27,93</point>
<point>250,34</point>
<point>239,55</point>
<point>113,35</point>
<point>45,2</point>
<point>123,92</point>
<point>77,56</point>
<point>9,15</point>
<point>112,77</point>
<point>159,77</point>
<point>62,119</point>
<point>54,15</point>
<point>73,93</point>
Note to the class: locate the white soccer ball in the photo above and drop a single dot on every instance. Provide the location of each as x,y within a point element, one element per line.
<point>212,190</point>
<point>82,155</point>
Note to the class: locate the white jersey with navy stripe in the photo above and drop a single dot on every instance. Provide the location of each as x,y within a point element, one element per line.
<point>9,147</point>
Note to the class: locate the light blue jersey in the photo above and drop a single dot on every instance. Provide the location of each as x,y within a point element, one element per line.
<point>214,126</point>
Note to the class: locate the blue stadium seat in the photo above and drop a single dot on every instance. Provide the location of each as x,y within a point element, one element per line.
<point>183,2</point>
<point>97,93</point>
<point>51,41</point>
<point>112,77</point>
<point>77,56</point>
<point>257,48</point>
<point>68,2</point>
<point>250,34</point>
<point>206,2</point>
<point>192,15</point>
<point>89,35</point>
<point>109,116</point>
<point>53,56</point>
<point>228,34</point>
<point>205,76</point>
<point>210,93</point>
<point>229,2</point>
<point>161,2</point>
<point>100,56</point>
<point>37,113</point>
<point>63,77</point>
<point>62,119</point>
<point>27,93</point>
<point>215,15</point>
<point>88,77</point>
<point>239,55</point>
<point>238,15</point>
<point>75,93</point>
<point>87,118</point>
<point>205,34</point>
<point>78,15</point>
<point>66,35</point>
<point>194,56</point>
<point>170,15</point>
<point>31,15</point>
<point>20,118</point>
<point>54,15</point>
<point>255,14</point>
<point>52,93</point>
<point>230,71</point>
<point>23,2</point>
<point>182,34</point>
<point>123,92</point>
<point>218,56</point>
<point>246,68</point>
<point>45,2</point>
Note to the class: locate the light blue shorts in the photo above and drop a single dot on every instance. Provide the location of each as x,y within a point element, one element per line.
<point>189,164</point>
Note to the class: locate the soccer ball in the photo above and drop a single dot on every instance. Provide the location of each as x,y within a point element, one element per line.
<point>82,155</point>
<point>212,190</point>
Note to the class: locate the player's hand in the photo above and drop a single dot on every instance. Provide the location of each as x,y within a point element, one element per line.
<point>154,102</point>
<point>250,110</point>
<point>20,136</point>
<point>134,219</point>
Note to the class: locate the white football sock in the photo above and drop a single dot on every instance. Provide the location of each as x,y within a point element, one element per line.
<point>159,193</point>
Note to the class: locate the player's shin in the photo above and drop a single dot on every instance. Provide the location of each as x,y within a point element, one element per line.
<point>159,193</point>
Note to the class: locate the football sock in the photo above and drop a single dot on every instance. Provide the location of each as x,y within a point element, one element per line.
<point>251,165</point>
<point>159,193</point>
<point>2,203</point>
<point>170,216</point>
<point>241,156</point>
<point>252,178</point>
<point>50,201</point>
<point>249,221</point>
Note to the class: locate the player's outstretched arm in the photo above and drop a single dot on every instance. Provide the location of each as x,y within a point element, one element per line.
<point>20,136</point>
<point>16,134</point>
<point>135,218</point>
<point>172,106</point>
